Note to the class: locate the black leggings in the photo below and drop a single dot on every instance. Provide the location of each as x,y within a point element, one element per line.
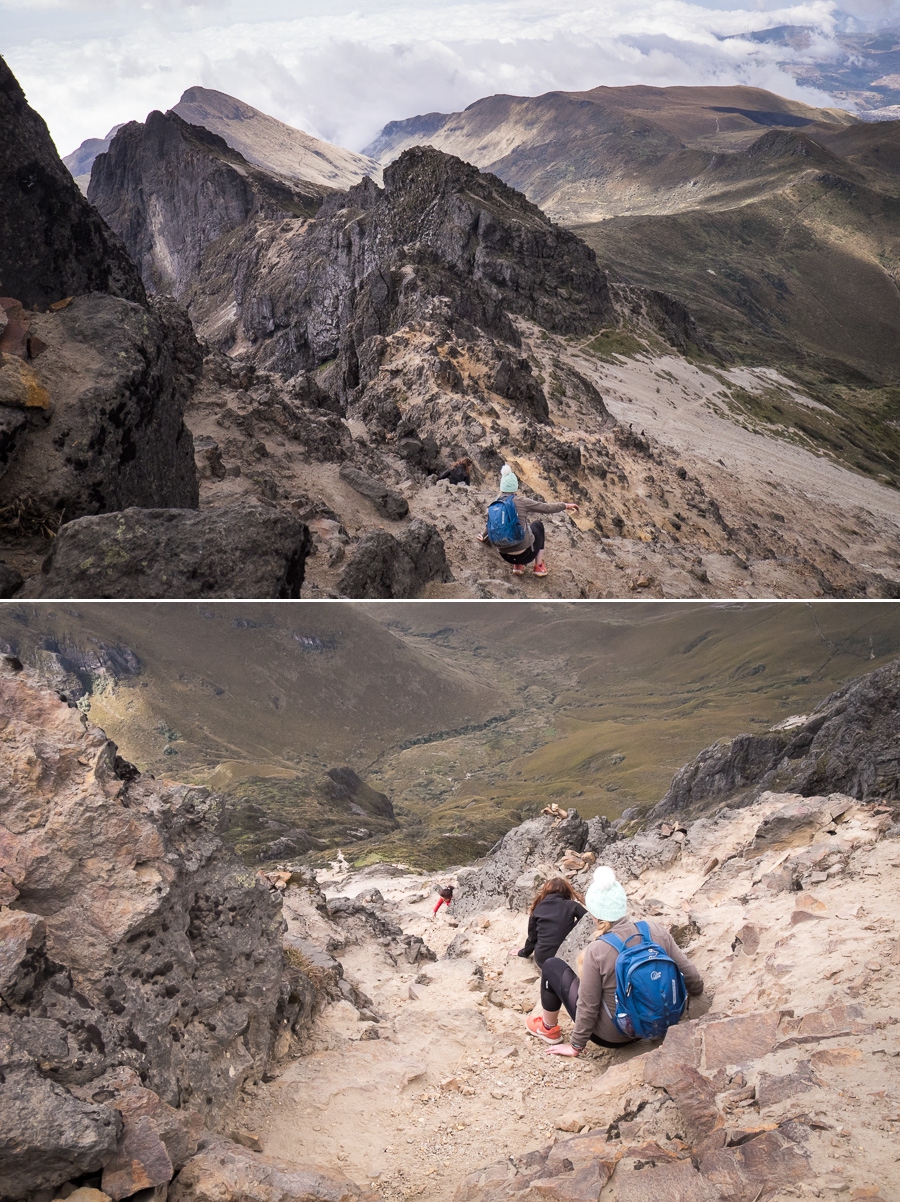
<point>537,529</point>
<point>559,987</point>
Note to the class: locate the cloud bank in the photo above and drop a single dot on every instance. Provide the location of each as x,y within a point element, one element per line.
<point>87,65</point>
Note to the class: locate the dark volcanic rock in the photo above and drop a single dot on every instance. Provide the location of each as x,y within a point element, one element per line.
<point>388,503</point>
<point>171,189</point>
<point>846,745</point>
<point>103,421</point>
<point>10,581</point>
<point>383,566</point>
<point>345,785</point>
<point>52,242</point>
<point>132,943</point>
<point>236,552</point>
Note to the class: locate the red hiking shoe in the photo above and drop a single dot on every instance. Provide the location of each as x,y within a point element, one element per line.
<point>535,1025</point>
<point>518,569</point>
<point>542,570</point>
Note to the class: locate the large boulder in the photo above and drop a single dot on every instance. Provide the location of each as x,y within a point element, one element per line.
<point>141,970</point>
<point>524,857</point>
<point>383,566</point>
<point>230,552</point>
<point>224,1171</point>
<point>92,400</point>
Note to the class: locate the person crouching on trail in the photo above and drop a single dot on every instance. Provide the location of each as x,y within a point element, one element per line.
<point>634,979</point>
<point>555,911</point>
<point>445,897</point>
<point>508,528</point>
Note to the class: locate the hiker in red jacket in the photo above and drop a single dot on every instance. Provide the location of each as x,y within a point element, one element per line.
<point>445,897</point>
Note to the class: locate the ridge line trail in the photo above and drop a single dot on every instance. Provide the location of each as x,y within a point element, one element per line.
<point>448,1081</point>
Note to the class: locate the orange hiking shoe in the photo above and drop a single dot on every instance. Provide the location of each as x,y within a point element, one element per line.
<point>542,570</point>
<point>535,1025</point>
<point>518,569</point>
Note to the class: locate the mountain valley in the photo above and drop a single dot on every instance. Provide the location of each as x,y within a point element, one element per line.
<point>465,719</point>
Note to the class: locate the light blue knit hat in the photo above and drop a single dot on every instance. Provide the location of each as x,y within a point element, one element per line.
<point>508,480</point>
<point>605,897</point>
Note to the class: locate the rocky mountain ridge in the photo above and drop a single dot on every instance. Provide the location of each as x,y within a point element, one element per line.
<point>350,355</point>
<point>409,325</point>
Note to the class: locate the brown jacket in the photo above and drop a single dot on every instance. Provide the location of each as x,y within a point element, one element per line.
<point>597,992</point>
<point>525,507</point>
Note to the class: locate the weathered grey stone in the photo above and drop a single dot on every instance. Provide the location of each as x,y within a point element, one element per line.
<point>152,955</point>
<point>224,1171</point>
<point>388,503</point>
<point>382,566</point>
<point>536,844</point>
<point>235,551</point>
<point>843,746</point>
<point>47,1135</point>
<point>105,425</point>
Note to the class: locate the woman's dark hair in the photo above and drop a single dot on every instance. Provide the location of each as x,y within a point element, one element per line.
<point>559,885</point>
<point>464,462</point>
<point>446,892</point>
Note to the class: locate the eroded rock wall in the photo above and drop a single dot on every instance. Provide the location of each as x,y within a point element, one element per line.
<point>137,953</point>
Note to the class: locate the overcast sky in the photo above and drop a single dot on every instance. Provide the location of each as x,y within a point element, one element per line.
<point>341,70</point>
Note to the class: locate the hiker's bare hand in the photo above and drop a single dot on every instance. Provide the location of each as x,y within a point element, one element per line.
<point>563,1049</point>
<point>514,951</point>
<point>571,507</point>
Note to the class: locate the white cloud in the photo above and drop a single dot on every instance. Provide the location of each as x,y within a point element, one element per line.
<point>341,74</point>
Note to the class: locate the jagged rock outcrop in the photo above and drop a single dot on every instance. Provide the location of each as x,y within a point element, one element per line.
<point>382,566</point>
<point>98,390</point>
<point>344,785</point>
<point>845,745</point>
<point>524,857</point>
<point>171,189</point>
<point>92,390</point>
<point>52,243</point>
<point>230,552</point>
<point>142,976</point>
<point>370,914</point>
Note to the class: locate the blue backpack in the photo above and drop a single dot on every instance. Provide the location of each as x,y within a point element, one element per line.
<point>503,526</point>
<point>650,990</point>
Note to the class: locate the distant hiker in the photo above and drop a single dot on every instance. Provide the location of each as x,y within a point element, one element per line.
<point>459,473</point>
<point>508,529</point>
<point>445,897</point>
<point>606,1013</point>
<point>555,911</point>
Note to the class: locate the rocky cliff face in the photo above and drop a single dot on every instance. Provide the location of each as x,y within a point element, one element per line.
<point>171,189</point>
<point>846,744</point>
<point>141,975</point>
<point>52,243</point>
<point>93,380</point>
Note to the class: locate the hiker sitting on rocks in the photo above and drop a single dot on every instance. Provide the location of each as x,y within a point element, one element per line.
<point>555,911</point>
<point>445,897</point>
<point>508,529</point>
<point>659,973</point>
<point>459,473</point>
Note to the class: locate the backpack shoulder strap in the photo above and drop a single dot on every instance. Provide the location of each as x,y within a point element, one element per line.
<point>644,930</point>
<point>614,941</point>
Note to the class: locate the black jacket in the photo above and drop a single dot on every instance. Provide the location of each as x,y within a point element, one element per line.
<point>549,924</point>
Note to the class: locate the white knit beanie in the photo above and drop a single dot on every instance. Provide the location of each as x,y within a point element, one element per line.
<point>508,480</point>
<point>605,897</point>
